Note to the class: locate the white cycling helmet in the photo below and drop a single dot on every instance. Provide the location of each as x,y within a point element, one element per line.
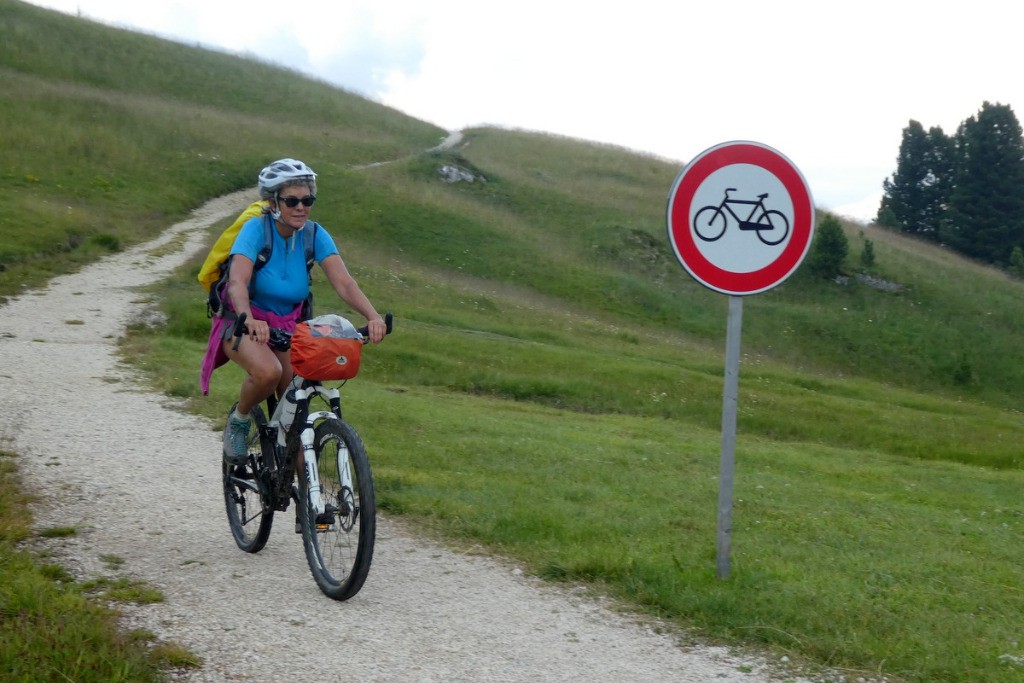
<point>280,172</point>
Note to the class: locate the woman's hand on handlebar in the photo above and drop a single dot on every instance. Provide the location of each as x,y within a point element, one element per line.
<point>259,330</point>
<point>376,329</point>
<point>256,330</point>
<point>380,327</point>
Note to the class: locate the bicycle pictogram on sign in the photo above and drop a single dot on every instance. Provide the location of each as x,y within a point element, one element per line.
<point>711,221</point>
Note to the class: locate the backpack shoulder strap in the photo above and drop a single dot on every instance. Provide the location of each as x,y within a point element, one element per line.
<point>309,242</point>
<point>268,243</point>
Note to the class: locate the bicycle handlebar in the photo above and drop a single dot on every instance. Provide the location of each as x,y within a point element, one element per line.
<point>281,340</point>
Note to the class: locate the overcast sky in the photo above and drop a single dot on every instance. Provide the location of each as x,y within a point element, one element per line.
<point>829,85</point>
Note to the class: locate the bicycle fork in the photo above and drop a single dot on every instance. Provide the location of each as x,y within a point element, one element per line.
<point>308,437</point>
<point>312,473</point>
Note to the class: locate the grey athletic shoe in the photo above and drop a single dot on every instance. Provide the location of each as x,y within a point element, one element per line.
<point>236,440</point>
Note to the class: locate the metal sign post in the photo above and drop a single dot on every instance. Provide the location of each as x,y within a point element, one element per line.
<point>730,400</point>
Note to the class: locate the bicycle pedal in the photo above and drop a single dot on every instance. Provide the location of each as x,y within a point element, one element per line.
<point>324,522</point>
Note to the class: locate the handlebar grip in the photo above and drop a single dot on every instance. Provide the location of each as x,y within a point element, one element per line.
<point>240,328</point>
<point>389,320</point>
<point>239,331</point>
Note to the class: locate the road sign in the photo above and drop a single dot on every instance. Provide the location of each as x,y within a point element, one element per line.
<point>740,218</point>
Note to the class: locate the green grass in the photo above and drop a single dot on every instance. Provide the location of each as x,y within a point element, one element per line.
<point>101,150</point>
<point>837,552</point>
<point>553,390</point>
<point>49,629</point>
<point>871,522</point>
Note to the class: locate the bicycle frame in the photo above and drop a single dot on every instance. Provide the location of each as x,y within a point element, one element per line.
<point>748,224</point>
<point>303,393</point>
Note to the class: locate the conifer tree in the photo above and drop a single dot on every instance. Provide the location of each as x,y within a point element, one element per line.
<point>916,195</point>
<point>1017,262</point>
<point>867,255</point>
<point>829,249</point>
<point>985,218</point>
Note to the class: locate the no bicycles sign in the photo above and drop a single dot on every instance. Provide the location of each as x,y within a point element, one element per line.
<point>740,218</point>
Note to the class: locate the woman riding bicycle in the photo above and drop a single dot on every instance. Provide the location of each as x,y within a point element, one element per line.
<point>275,294</point>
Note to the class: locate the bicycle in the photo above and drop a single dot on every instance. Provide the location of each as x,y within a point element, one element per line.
<point>710,222</point>
<point>335,504</point>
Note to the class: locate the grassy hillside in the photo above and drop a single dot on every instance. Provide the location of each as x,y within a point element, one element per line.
<point>109,135</point>
<point>553,390</point>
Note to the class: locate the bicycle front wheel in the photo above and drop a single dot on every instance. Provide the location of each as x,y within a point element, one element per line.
<point>250,514</point>
<point>774,228</point>
<point>339,542</point>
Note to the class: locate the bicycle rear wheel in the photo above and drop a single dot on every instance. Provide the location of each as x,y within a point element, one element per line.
<point>339,543</point>
<point>250,514</point>
<point>710,223</point>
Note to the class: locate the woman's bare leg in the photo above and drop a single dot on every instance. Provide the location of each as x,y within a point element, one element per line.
<point>263,370</point>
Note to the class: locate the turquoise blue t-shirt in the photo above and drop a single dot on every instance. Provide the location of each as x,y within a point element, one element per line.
<point>282,283</point>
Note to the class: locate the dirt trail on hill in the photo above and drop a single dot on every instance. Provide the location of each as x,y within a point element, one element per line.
<point>139,479</point>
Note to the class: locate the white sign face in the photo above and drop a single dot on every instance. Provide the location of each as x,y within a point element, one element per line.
<point>739,250</point>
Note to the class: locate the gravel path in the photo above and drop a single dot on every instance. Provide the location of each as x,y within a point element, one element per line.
<point>140,479</point>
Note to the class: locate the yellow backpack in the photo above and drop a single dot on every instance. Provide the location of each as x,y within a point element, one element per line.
<point>218,256</point>
<point>213,275</point>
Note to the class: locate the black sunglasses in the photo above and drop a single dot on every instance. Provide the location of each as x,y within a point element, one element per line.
<point>292,202</point>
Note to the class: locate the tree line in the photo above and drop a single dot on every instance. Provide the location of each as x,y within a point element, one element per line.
<point>966,190</point>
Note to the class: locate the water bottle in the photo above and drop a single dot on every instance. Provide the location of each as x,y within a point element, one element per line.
<point>284,413</point>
